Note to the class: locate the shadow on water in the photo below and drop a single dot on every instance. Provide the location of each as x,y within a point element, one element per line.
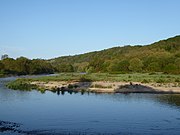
<point>173,100</point>
<point>127,91</point>
<point>170,99</point>
<point>79,87</point>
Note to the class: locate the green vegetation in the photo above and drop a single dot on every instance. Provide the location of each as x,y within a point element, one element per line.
<point>24,66</point>
<point>101,86</point>
<point>170,99</point>
<point>21,84</point>
<point>135,77</point>
<point>25,83</point>
<point>162,56</point>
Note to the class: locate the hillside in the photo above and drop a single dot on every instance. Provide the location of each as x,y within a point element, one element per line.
<point>162,56</point>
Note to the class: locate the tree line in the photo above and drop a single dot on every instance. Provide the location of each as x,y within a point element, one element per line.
<point>25,66</point>
<point>162,56</point>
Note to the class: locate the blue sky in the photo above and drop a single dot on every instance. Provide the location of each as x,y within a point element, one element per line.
<point>52,28</point>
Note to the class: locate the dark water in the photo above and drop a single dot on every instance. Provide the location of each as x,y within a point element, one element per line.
<point>32,112</point>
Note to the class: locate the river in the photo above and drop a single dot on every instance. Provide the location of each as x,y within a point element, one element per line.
<point>36,113</point>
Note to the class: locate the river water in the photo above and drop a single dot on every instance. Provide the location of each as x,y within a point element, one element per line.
<point>32,112</point>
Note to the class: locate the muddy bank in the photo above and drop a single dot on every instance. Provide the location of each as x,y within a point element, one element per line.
<point>107,87</point>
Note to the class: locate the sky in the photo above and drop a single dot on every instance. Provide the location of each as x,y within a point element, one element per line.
<point>52,28</point>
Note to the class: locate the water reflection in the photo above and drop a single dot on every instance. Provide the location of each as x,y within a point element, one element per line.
<point>89,112</point>
<point>168,99</point>
<point>172,100</point>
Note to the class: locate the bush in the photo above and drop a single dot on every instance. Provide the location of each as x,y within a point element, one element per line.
<point>83,79</point>
<point>177,80</point>
<point>21,85</point>
<point>70,86</point>
<point>160,81</point>
<point>101,86</point>
<point>145,81</point>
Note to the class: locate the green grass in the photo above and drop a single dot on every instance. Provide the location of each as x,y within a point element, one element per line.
<point>135,77</point>
<point>21,84</point>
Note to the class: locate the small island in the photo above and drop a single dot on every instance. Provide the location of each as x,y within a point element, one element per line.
<point>101,83</point>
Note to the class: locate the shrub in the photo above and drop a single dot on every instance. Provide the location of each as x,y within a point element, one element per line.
<point>21,85</point>
<point>145,81</point>
<point>177,80</point>
<point>160,81</point>
<point>83,79</point>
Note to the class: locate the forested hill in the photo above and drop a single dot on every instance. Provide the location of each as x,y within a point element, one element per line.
<point>162,56</point>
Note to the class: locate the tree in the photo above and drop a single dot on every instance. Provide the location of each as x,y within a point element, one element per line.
<point>80,67</point>
<point>4,56</point>
<point>65,67</point>
<point>97,64</point>
<point>177,63</point>
<point>114,66</point>
<point>22,66</point>
<point>1,67</point>
<point>171,68</point>
<point>135,65</point>
<point>39,66</point>
<point>154,67</point>
<point>9,65</point>
<point>124,65</point>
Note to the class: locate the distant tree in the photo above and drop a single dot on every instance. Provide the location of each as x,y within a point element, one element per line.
<point>154,67</point>
<point>65,67</point>
<point>90,70</point>
<point>9,65</point>
<point>22,66</point>
<point>119,66</point>
<point>114,66</point>
<point>4,56</point>
<point>124,65</point>
<point>1,67</point>
<point>80,67</point>
<point>97,64</point>
<point>177,63</point>
<point>149,59</point>
<point>171,68</point>
<point>105,65</point>
<point>38,66</point>
<point>135,65</point>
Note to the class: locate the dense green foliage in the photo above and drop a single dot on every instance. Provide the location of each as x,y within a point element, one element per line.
<point>24,66</point>
<point>162,56</point>
<point>21,84</point>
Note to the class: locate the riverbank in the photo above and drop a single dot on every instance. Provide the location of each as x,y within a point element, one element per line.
<point>101,83</point>
<point>107,87</point>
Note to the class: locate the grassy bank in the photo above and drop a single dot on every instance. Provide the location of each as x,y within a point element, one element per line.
<point>25,83</point>
<point>136,77</point>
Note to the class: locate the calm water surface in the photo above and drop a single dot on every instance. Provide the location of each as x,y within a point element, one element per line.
<point>50,113</point>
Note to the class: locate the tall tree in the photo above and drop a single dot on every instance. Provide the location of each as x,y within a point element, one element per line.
<point>135,65</point>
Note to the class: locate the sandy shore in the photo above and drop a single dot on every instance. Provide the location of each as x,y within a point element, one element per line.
<point>109,87</point>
